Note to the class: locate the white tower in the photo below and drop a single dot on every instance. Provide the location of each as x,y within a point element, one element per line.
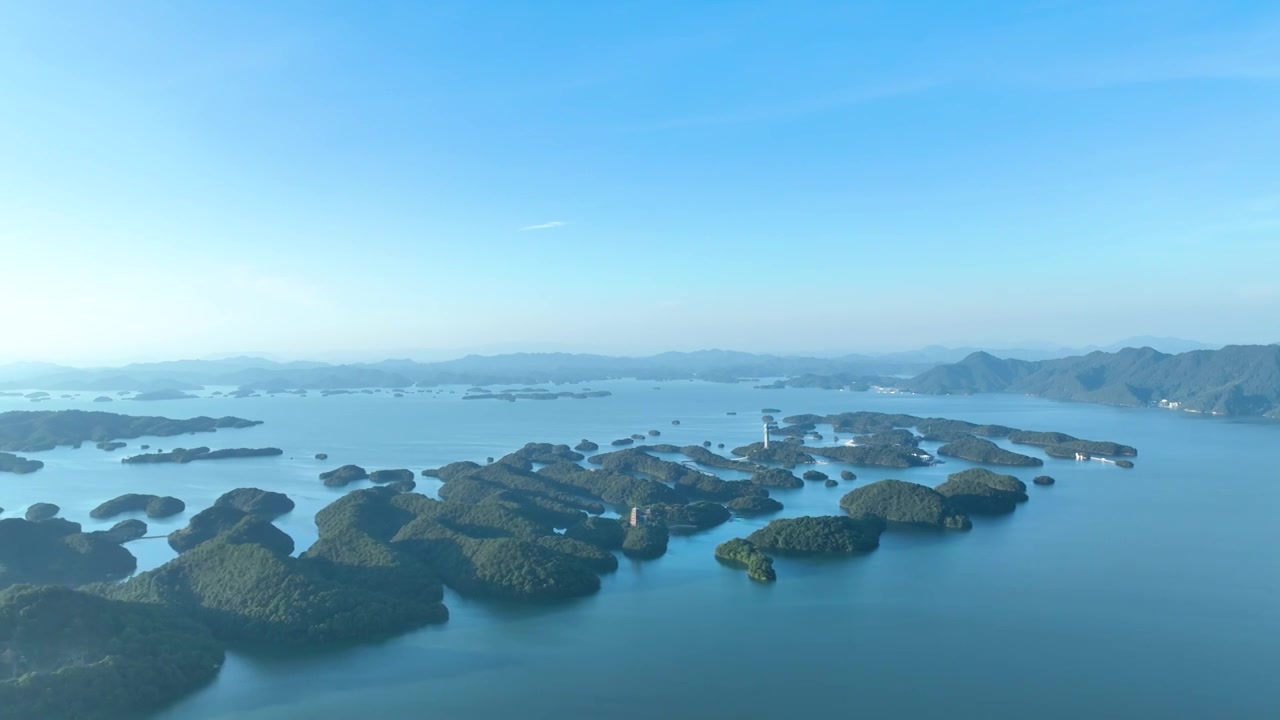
<point>766,436</point>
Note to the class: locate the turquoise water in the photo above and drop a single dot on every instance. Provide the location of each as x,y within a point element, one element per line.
<point>1142,593</point>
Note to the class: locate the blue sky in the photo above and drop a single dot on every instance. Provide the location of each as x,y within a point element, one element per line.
<point>359,180</point>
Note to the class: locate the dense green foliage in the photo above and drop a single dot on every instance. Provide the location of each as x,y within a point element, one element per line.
<point>69,654</point>
<point>586,446</point>
<point>902,502</point>
<point>382,477</point>
<point>18,465</point>
<point>1043,480</point>
<point>788,455</point>
<point>264,504</point>
<point>1092,447</point>
<point>848,475</point>
<point>155,506</point>
<point>979,491</point>
<point>1236,380</point>
<point>125,531</point>
<point>814,475</point>
<point>185,455</point>
<point>742,553</point>
<point>818,535</point>
<point>225,521</point>
<point>880,455</point>
<point>251,595</point>
<point>606,533</point>
<point>111,445</point>
<point>700,514</point>
<point>976,449</point>
<point>56,552</point>
<point>615,488</point>
<point>689,482</point>
<point>30,431</point>
<point>753,505</point>
<point>343,476</point>
<point>595,558</point>
<point>776,477</point>
<point>646,541</point>
<point>546,453</point>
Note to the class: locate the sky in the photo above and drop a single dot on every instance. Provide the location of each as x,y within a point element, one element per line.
<point>352,181</point>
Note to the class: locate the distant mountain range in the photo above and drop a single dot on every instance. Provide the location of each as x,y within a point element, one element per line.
<point>517,368</point>
<point>1241,380</point>
<point>1235,380</point>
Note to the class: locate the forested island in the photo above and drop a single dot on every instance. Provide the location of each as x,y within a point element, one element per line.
<point>976,449</point>
<point>819,535</point>
<point>1241,380</point>
<point>895,501</point>
<point>743,554</point>
<point>11,463</point>
<point>33,431</point>
<point>155,506</point>
<point>978,491</point>
<point>540,524</point>
<point>514,396</point>
<point>885,440</point>
<point>183,455</point>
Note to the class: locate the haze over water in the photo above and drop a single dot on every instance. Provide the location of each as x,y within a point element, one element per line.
<point>1141,593</point>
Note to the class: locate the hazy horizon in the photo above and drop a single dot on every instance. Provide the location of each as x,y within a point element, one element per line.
<point>1169,345</point>
<point>416,180</point>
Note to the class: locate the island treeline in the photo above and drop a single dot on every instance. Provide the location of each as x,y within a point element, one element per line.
<point>33,431</point>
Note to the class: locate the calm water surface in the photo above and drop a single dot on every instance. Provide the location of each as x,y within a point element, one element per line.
<point>1141,593</point>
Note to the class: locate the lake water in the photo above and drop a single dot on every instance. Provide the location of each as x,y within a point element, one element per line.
<point>1115,593</point>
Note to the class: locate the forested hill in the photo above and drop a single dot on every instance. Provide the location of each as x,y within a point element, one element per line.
<point>1241,380</point>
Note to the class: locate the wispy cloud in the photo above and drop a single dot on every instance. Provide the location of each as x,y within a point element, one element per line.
<point>544,226</point>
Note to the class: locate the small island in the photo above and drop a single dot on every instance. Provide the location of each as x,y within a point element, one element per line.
<point>183,455</point>
<point>164,395</point>
<point>343,476</point>
<point>776,477</point>
<point>11,463</point>
<point>743,554</point>
<point>753,505</point>
<point>786,454</point>
<point>1091,447</point>
<point>978,491</point>
<point>263,504</point>
<point>586,446</point>
<point>42,511</point>
<point>976,449</point>
<point>382,477</point>
<point>819,535</point>
<point>34,431</point>
<point>904,503</point>
<point>57,552</point>
<point>155,506</point>
<point>1043,480</point>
